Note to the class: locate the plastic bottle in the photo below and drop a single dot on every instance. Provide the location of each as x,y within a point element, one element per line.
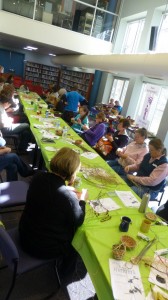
<point>57,124</point>
<point>47,113</point>
<point>64,132</point>
<point>144,203</point>
<point>35,107</point>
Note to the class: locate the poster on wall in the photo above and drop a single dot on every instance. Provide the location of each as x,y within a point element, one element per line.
<point>151,92</point>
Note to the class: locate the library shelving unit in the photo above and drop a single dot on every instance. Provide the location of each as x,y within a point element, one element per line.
<point>41,74</point>
<point>85,23</point>
<point>84,80</point>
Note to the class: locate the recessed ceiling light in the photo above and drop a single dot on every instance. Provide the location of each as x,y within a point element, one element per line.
<point>51,54</point>
<point>27,49</point>
<point>30,48</point>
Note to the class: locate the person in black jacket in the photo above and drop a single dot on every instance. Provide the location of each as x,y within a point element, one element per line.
<point>118,140</point>
<point>53,211</point>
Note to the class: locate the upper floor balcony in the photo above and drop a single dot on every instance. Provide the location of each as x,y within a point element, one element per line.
<point>95,18</point>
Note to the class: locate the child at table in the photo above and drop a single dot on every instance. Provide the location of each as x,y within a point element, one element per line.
<point>81,122</point>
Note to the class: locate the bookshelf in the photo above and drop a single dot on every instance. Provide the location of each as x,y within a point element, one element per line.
<point>84,80</point>
<point>41,74</point>
<point>85,23</point>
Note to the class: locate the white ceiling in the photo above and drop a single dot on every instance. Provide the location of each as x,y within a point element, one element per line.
<point>17,43</point>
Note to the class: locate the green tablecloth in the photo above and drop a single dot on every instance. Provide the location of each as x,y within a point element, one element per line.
<point>94,239</point>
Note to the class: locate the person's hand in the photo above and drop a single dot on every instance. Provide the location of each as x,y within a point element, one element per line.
<point>130,177</point>
<point>5,150</point>
<point>119,152</point>
<point>85,127</point>
<point>126,169</point>
<point>124,156</point>
<point>79,121</point>
<point>110,138</point>
<point>84,195</point>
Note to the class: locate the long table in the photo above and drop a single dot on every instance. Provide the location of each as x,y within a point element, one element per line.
<point>94,239</point>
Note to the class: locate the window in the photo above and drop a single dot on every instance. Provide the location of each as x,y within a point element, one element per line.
<point>132,36</point>
<point>119,89</point>
<point>151,106</point>
<point>161,45</point>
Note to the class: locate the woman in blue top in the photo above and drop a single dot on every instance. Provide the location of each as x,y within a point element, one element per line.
<point>81,122</point>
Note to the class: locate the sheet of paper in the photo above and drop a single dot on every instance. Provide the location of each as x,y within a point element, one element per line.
<point>104,204</point>
<point>127,198</point>
<point>42,126</point>
<point>126,281</point>
<point>158,272</point>
<point>47,120</point>
<point>89,155</point>
<point>156,289</point>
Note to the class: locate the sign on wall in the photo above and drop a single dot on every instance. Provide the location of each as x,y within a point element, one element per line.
<point>151,95</point>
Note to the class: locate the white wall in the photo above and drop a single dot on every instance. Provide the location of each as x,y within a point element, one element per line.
<point>52,35</point>
<point>132,7</point>
<point>152,11</point>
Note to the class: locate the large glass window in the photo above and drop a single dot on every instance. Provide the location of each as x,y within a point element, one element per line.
<point>151,106</point>
<point>132,36</point>
<point>91,17</point>
<point>119,89</point>
<point>161,45</point>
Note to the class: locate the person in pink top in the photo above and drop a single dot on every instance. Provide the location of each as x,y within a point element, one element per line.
<point>131,155</point>
<point>151,172</point>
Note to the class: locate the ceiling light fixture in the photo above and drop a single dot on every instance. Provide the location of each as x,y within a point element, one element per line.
<point>51,54</point>
<point>30,48</point>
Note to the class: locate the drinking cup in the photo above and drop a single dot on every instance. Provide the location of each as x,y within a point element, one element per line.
<point>124,225</point>
<point>145,226</point>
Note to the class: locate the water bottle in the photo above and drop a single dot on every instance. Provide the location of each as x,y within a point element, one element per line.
<point>57,124</point>
<point>144,203</point>
<point>64,132</point>
<point>35,107</point>
<point>47,113</point>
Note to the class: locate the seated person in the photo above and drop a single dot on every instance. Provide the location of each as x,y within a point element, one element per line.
<point>118,140</point>
<point>15,110</point>
<point>151,172</point>
<point>92,135</point>
<point>12,163</point>
<point>53,211</point>
<point>81,122</point>
<point>163,211</point>
<point>110,128</point>
<point>117,106</point>
<point>111,103</point>
<point>9,91</point>
<point>7,127</point>
<point>2,82</point>
<point>130,155</point>
<point>10,79</point>
<point>24,88</point>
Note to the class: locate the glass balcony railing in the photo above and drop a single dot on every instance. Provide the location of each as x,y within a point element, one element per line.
<point>96,18</point>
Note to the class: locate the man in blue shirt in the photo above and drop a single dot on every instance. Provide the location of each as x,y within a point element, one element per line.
<point>73,98</point>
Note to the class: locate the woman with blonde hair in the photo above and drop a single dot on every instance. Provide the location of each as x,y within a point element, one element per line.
<point>151,172</point>
<point>53,211</point>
